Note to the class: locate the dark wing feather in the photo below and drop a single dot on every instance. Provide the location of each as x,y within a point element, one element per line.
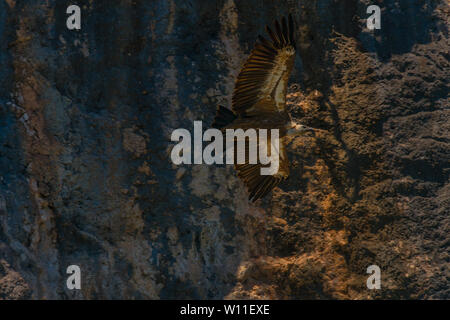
<point>260,185</point>
<point>266,72</point>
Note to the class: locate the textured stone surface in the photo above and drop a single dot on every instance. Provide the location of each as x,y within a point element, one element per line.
<point>86,179</point>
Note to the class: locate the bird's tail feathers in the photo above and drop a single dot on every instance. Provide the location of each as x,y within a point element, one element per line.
<point>223,117</point>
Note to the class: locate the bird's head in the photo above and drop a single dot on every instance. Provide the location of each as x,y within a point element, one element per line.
<point>298,129</point>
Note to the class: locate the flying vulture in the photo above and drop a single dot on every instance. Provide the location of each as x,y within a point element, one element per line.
<point>259,101</point>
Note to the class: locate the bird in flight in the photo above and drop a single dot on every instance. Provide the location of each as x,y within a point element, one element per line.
<point>259,102</point>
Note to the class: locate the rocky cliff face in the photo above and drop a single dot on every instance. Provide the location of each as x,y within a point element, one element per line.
<point>86,176</point>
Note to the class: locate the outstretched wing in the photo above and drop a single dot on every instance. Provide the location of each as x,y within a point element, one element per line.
<point>259,185</point>
<point>266,72</point>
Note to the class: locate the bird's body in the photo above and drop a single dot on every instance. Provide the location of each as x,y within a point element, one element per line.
<point>259,102</point>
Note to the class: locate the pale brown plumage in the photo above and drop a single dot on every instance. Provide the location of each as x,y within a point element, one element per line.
<point>259,101</point>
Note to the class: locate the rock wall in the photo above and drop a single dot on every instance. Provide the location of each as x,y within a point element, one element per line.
<point>86,176</point>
